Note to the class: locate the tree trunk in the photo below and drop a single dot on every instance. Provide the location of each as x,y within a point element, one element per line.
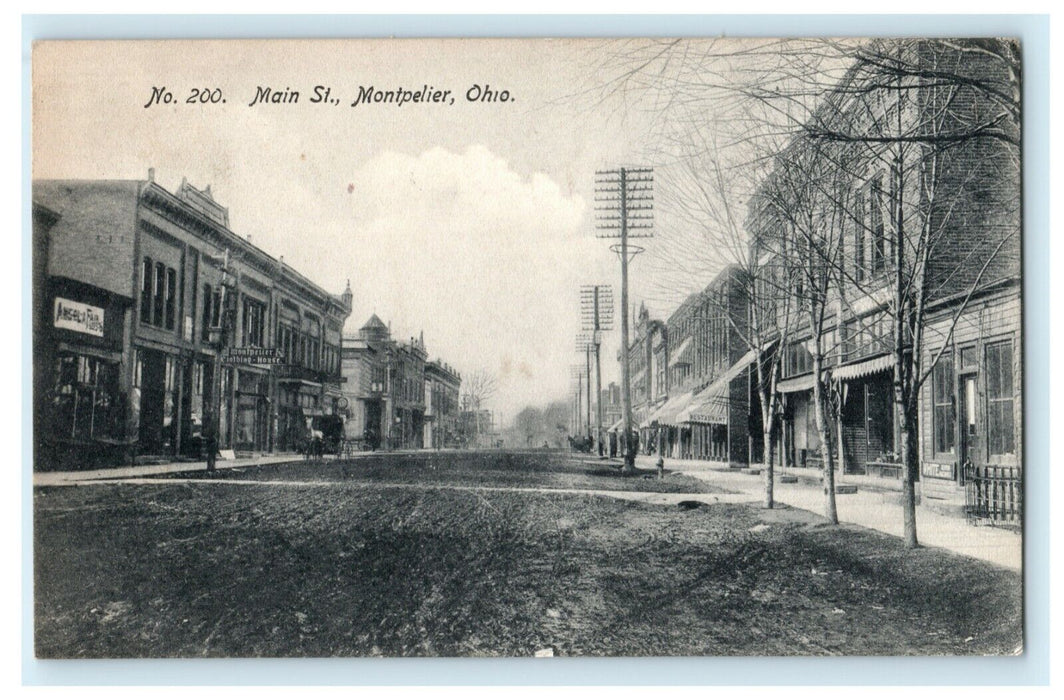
<point>910,460</point>
<point>830,511</point>
<point>770,464</point>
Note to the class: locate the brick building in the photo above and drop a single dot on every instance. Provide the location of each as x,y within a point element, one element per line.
<point>396,397</point>
<point>706,414</point>
<point>442,385</point>
<point>910,175</point>
<point>140,347</point>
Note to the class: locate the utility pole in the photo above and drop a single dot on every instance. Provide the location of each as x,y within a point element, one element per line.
<point>625,210</point>
<point>576,373</point>
<point>218,335</point>
<point>596,315</point>
<point>584,344</point>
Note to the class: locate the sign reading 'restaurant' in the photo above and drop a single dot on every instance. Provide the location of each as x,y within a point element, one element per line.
<point>79,317</point>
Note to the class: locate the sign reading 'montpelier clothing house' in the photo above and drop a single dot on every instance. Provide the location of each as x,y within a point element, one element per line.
<point>253,356</point>
<point>75,316</point>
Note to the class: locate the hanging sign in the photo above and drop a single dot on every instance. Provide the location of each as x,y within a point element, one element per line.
<point>78,317</point>
<point>253,356</point>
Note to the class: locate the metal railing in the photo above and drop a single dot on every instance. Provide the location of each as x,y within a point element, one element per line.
<point>994,494</point>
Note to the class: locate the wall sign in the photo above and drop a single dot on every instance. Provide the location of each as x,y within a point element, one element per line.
<point>78,317</point>
<point>253,356</point>
<point>938,471</point>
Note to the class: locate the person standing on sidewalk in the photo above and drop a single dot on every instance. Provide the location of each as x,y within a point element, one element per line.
<point>210,441</point>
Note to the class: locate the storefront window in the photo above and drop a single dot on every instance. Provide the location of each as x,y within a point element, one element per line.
<point>999,399</point>
<point>86,401</point>
<point>945,406</point>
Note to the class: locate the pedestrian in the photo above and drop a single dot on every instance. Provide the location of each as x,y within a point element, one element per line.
<point>210,442</point>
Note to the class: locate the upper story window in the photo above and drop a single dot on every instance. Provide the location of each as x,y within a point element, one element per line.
<point>212,311</point>
<point>253,333</point>
<point>859,237</point>
<point>797,360</point>
<point>158,295</point>
<point>875,225</point>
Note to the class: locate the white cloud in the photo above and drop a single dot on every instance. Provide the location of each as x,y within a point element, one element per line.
<point>486,261</point>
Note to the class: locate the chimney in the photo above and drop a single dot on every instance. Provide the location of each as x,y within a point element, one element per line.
<point>151,174</point>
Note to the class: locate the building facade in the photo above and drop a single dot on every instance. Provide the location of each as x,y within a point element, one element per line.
<point>442,386</point>
<point>397,398</point>
<point>916,227</point>
<point>707,412</point>
<point>162,318</point>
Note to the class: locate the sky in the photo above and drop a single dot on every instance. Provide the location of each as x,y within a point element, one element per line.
<point>472,221</point>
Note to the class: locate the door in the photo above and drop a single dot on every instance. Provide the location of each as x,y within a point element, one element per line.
<point>152,401</point>
<point>967,422</point>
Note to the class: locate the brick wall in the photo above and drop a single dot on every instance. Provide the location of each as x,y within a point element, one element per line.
<point>93,241</point>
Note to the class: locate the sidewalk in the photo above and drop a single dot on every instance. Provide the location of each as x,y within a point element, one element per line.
<point>874,509</point>
<point>144,470</point>
<point>71,478</point>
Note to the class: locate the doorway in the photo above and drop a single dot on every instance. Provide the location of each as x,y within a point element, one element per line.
<point>967,422</point>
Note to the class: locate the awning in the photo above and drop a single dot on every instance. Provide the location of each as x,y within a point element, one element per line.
<point>650,411</point>
<point>863,369</point>
<point>679,357</point>
<point>616,427</point>
<point>667,413</point>
<point>791,386</point>
<point>711,404</point>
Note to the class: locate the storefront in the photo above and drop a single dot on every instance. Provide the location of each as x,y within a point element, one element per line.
<point>82,404</point>
<point>718,416</point>
<point>251,418</point>
<point>299,401</point>
<point>972,409</point>
<point>869,439</point>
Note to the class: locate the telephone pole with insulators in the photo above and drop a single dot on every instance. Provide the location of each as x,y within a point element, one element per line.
<point>596,317</point>
<point>624,206</point>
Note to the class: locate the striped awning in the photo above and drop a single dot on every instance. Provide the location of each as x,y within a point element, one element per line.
<point>711,404</point>
<point>667,413</point>
<point>863,369</point>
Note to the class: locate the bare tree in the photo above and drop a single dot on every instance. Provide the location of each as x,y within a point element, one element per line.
<point>708,196</point>
<point>480,386</point>
<point>940,118</point>
<point>811,247</point>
